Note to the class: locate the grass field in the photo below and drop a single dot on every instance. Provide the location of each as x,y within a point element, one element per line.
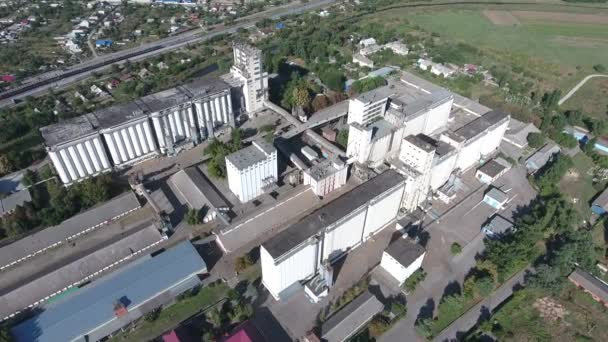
<point>562,47</point>
<point>592,98</point>
<point>578,184</point>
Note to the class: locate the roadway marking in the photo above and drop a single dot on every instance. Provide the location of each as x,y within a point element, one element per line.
<point>265,212</point>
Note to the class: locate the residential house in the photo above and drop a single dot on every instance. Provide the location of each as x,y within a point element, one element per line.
<point>496,227</point>
<point>539,159</point>
<point>594,286</point>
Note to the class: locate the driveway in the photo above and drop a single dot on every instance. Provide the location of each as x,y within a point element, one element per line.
<point>461,223</point>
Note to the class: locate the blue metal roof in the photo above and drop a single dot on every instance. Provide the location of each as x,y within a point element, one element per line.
<point>92,307</point>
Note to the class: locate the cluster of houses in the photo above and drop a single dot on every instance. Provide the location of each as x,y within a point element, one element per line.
<point>369,46</point>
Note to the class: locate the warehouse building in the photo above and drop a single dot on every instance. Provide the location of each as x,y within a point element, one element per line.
<point>300,251</point>
<point>198,193</point>
<point>63,279</point>
<point>252,170</point>
<point>105,306</point>
<point>68,230</point>
<point>10,202</point>
<point>351,319</point>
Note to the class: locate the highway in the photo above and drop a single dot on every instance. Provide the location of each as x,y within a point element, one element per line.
<point>40,84</point>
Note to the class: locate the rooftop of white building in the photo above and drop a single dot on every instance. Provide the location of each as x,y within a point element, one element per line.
<point>292,237</point>
<point>405,251</point>
<point>84,125</point>
<point>325,169</point>
<point>255,153</point>
<point>479,125</point>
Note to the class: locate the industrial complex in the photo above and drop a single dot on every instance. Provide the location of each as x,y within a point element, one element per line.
<point>322,216</point>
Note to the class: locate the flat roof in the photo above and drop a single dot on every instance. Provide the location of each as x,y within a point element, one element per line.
<point>10,202</point>
<point>47,237</point>
<point>375,95</point>
<point>492,168</point>
<point>197,190</point>
<point>590,283</point>
<point>477,126</point>
<point>84,125</point>
<point>330,213</point>
<point>351,318</point>
<point>421,141</point>
<point>498,225</point>
<point>405,251</point>
<point>497,194</point>
<point>323,169</point>
<point>255,153</point>
<point>43,285</point>
<point>90,310</point>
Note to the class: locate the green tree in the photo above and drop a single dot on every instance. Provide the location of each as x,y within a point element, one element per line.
<point>599,68</point>
<point>242,263</point>
<point>342,138</point>
<point>455,248</point>
<point>193,216</point>
<point>333,78</point>
<point>536,140</point>
<point>6,165</point>
<point>301,97</point>
<point>378,325</point>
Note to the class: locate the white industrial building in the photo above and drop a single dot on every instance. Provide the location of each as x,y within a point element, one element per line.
<point>164,122</point>
<point>305,248</point>
<point>252,170</point>
<point>402,258</point>
<point>422,134</point>
<point>248,73</point>
<point>326,176</point>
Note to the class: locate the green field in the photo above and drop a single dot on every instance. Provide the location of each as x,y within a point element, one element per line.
<point>592,98</point>
<point>560,51</point>
<point>578,184</point>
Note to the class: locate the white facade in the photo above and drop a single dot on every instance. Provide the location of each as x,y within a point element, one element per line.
<point>397,270</point>
<point>128,133</point>
<point>251,169</point>
<point>366,107</point>
<point>80,159</point>
<point>130,142</point>
<point>248,69</point>
<point>330,241</point>
<point>279,275</point>
<point>326,177</point>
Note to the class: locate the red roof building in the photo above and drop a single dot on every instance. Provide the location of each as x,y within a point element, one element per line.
<point>7,78</point>
<point>171,336</point>
<point>246,332</point>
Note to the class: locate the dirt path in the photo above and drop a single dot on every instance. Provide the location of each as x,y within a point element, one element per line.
<point>578,86</point>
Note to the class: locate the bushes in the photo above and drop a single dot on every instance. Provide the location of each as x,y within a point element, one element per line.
<point>378,325</point>
<point>193,216</point>
<point>456,248</point>
<point>342,138</point>
<point>413,280</point>
<point>536,140</point>
<point>243,262</point>
<point>366,84</point>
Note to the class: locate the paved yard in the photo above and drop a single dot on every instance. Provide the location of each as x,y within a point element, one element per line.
<point>462,224</point>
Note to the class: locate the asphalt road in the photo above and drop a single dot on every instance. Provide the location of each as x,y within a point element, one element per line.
<point>162,46</point>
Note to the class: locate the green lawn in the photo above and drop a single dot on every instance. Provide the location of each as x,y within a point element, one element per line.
<point>578,185</point>
<point>592,98</point>
<point>560,52</point>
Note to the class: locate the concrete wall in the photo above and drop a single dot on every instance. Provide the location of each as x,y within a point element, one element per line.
<point>81,159</point>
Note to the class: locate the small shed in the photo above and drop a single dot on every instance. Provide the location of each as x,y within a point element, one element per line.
<point>492,170</point>
<point>103,43</point>
<point>497,226</point>
<point>496,198</point>
<point>542,157</point>
<point>402,258</point>
<point>350,319</point>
